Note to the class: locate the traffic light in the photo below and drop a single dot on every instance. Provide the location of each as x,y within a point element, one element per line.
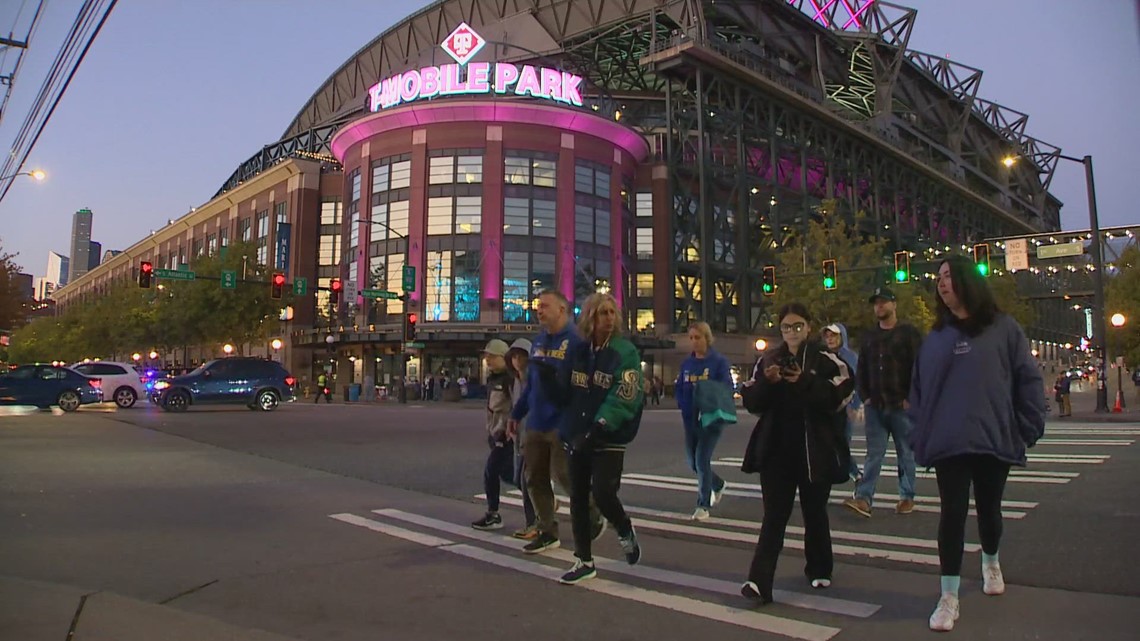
<point>146,273</point>
<point>769,283</point>
<point>830,280</point>
<point>902,267</point>
<point>277,285</point>
<point>982,258</point>
<point>410,326</point>
<point>335,288</point>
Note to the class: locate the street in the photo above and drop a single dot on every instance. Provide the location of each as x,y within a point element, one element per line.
<point>352,522</point>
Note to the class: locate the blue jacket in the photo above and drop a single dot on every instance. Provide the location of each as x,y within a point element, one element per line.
<point>852,359</point>
<point>712,367</point>
<point>976,395</point>
<point>541,412</point>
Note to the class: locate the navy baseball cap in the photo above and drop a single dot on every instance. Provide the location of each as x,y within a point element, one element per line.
<point>883,293</point>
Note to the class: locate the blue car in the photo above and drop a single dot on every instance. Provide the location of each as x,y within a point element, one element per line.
<point>47,385</point>
<point>257,383</point>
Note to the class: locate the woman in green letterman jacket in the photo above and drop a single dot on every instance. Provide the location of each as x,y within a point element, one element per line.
<point>600,388</point>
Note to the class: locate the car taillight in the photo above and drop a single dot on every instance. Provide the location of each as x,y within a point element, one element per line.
<point>290,381</point>
<point>142,379</point>
<point>95,382</point>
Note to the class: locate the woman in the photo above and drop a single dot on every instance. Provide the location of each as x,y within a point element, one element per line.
<point>517,358</point>
<point>801,391</point>
<point>703,364</point>
<point>977,401</point>
<point>601,388</point>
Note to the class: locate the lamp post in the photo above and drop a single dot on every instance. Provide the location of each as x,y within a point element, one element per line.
<point>276,344</point>
<point>228,349</point>
<point>37,175</point>
<point>1118,321</point>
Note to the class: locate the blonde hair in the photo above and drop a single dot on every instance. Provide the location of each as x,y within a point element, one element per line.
<point>590,309</point>
<point>705,331</point>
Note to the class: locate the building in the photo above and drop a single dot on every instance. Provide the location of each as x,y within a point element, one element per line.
<point>44,289</point>
<point>80,244</point>
<point>662,150</point>
<point>58,267</point>
<point>26,286</point>
<point>109,254</point>
<point>94,255</point>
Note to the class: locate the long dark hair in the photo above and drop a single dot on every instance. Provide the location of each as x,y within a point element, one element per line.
<point>973,292</point>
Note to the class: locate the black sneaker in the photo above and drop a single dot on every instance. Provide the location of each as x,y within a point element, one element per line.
<point>490,521</point>
<point>751,592</point>
<point>631,547</point>
<point>580,572</point>
<point>599,529</point>
<point>541,543</point>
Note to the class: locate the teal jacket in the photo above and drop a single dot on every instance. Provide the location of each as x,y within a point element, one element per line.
<point>714,403</point>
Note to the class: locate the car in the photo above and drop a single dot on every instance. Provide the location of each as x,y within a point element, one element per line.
<point>122,382</point>
<point>44,385</point>
<point>257,383</point>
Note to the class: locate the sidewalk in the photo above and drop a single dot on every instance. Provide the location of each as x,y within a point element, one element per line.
<point>1084,406</point>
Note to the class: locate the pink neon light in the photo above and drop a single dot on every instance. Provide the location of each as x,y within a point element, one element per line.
<point>855,14</point>
<point>489,112</point>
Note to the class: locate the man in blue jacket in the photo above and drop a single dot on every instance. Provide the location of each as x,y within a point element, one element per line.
<point>543,451</point>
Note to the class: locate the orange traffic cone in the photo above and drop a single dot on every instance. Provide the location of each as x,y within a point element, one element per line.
<point>1119,402</point>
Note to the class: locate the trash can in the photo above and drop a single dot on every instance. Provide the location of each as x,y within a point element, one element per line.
<point>354,392</point>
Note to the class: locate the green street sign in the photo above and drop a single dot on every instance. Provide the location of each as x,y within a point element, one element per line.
<point>415,345</point>
<point>379,293</point>
<point>229,279</point>
<point>409,278</point>
<point>174,274</point>
<point>1060,250</point>
<point>300,286</point>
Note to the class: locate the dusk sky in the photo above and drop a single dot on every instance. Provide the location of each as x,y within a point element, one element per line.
<point>174,95</point>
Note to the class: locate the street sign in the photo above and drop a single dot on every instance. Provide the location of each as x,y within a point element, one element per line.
<point>174,274</point>
<point>1016,254</point>
<point>409,278</point>
<point>229,279</point>
<point>379,293</point>
<point>1060,250</point>
<point>300,286</point>
<point>414,345</point>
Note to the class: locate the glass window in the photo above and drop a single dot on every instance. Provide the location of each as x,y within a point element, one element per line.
<point>330,212</point>
<point>470,170</point>
<point>440,214</point>
<point>211,244</point>
<point>583,224</point>
<point>542,273</point>
<point>224,237</point>
<point>516,216</point>
<point>328,251</point>
<point>441,170</point>
<point>199,247</point>
<point>379,178</point>
<point>644,242</point>
<point>355,186</point>
<point>516,287</point>
<point>544,218</point>
<point>280,213</point>
<point>465,273</point>
<point>645,285</point>
<point>644,321</point>
<point>394,283</point>
<point>602,184</point>
<point>602,229</point>
<point>246,228</point>
<point>377,276</point>
<point>545,173</point>
<point>398,218</point>
<point>468,214</point>
<point>438,295</point>
<point>516,170</point>
<point>378,230</point>
<point>352,277</point>
<point>401,174</point>
<point>354,231</point>
<point>584,179</point>
<point>263,223</point>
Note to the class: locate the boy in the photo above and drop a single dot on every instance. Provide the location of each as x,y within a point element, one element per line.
<point>500,463</point>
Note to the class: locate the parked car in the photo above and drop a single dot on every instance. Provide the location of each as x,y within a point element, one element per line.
<point>122,382</point>
<point>47,385</point>
<point>254,382</point>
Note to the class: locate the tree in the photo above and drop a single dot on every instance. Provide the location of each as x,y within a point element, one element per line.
<point>12,303</point>
<point>1004,288</point>
<point>1122,295</point>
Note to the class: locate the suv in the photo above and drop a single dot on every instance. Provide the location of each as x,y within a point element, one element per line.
<point>253,382</point>
<point>122,383</point>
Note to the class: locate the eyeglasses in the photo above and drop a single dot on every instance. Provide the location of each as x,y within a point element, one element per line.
<point>794,327</point>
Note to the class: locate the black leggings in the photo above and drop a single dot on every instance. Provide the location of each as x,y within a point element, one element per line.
<point>988,475</point>
<point>778,485</point>
<point>597,472</point>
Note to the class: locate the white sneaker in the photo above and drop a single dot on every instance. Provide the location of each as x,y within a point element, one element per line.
<point>718,495</point>
<point>993,582</point>
<point>700,514</point>
<point>945,614</point>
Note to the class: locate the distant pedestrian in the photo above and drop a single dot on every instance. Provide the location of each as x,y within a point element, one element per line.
<point>703,366</point>
<point>1062,393</point>
<point>323,389</point>
<point>886,360</point>
<point>835,337</point>
<point>517,358</point>
<point>800,390</point>
<point>978,401</point>
<point>500,460</point>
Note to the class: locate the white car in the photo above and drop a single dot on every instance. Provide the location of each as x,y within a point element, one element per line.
<point>122,383</point>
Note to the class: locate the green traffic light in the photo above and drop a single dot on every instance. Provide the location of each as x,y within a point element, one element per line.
<point>829,282</point>
<point>767,287</point>
<point>900,276</point>
<point>983,269</point>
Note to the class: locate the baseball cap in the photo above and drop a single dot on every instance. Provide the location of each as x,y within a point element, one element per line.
<point>496,347</point>
<point>521,343</point>
<point>833,328</point>
<point>883,293</point>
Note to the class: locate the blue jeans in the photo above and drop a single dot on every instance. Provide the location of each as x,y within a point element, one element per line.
<point>699,445</point>
<point>880,425</point>
<point>853,471</point>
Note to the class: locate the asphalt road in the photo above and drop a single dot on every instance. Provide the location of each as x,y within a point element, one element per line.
<point>266,521</point>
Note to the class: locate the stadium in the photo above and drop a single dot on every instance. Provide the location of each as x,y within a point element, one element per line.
<point>662,150</point>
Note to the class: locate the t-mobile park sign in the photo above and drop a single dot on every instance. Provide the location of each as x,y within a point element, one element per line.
<point>475,78</point>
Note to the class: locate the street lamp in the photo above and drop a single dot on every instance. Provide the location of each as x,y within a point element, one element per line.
<point>1118,321</point>
<point>153,354</point>
<point>276,344</point>
<point>761,344</point>
<point>37,175</point>
<point>228,349</point>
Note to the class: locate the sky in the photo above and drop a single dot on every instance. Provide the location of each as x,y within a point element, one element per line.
<point>174,95</point>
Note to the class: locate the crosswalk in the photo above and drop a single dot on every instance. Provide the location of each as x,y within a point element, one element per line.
<point>1059,459</point>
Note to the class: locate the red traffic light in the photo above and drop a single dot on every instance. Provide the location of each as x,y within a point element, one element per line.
<point>411,318</point>
<point>146,267</point>
<point>279,280</point>
<point>336,285</point>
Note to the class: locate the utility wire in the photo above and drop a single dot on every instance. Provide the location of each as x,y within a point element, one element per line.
<point>11,79</point>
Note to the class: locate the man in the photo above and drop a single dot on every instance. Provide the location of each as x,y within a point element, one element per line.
<point>542,448</point>
<point>835,337</point>
<point>323,389</point>
<point>886,362</point>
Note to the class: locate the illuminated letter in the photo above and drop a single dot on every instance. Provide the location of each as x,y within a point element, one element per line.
<point>528,82</point>
<point>477,75</point>
<point>571,91</point>
<point>410,86</point>
<point>505,75</point>
<point>390,94</point>
<point>449,83</point>
<point>430,81</point>
<point>551,84</point>
<point>375,96</point>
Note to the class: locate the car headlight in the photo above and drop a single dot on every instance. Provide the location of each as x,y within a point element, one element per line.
<point>161,385</point>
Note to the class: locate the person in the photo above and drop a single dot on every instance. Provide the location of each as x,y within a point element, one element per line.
<point>835,337</point>
<point>886,359</point>
<point>1136,381</point>
<point>601,390</point>
<point>500,460</point>
<point>1063,389</point>
<point>703,364</point>
<point>978,401</point>
<point>801,391</point>
<point>323,389</point>
<point>544,453</point>
<point>517,365</point>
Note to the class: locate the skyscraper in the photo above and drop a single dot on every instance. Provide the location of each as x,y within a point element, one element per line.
<point>57,269</point>
<point>80,244</point>
<point>95,255</point>
<point>44,288</point>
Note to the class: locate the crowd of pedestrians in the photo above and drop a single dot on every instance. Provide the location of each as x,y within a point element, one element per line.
<point>967,400</point>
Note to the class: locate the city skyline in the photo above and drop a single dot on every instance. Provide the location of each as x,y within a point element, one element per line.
<point>1068,107</point>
